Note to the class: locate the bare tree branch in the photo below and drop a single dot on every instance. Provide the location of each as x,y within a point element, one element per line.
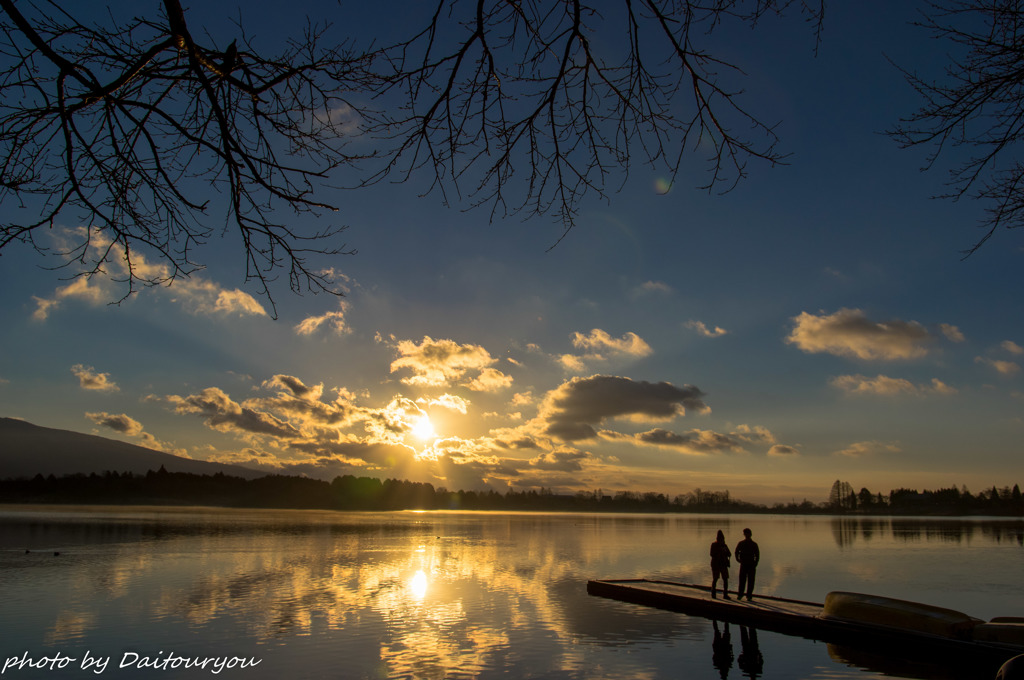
<point>516,96</point>
<point>977,107</point>
<point>111,126</point>
<point>527,106</point>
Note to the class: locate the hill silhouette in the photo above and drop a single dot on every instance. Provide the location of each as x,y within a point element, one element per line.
<point>27,450</point>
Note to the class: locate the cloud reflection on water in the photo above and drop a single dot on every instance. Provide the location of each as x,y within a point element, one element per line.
<point>420,596</point>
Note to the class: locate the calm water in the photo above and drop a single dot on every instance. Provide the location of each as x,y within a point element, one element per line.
<point>456,595</point>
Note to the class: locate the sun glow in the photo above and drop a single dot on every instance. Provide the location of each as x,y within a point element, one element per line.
<point>423,429</point>
<point>418,585</point>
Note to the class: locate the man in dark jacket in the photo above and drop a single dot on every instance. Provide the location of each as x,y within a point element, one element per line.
<point>748,555</point>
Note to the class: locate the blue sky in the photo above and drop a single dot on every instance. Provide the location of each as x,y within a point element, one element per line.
<point>816,323</point>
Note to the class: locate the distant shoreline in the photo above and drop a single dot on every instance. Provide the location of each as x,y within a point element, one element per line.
<point>163,488</point>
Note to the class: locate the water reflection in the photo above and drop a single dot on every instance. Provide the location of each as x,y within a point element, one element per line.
<point>721,650</point>
<point>750,661</point>
<point>419,595</point>
<point>848,530</point>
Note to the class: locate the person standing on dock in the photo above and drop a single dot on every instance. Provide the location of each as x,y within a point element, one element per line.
<point>748,555</point>
<point>720,564</point>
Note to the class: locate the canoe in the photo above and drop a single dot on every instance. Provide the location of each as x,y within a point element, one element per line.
<point>888,612</point>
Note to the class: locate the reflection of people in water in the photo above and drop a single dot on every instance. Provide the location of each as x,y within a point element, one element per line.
<point>721,650</point>
<point>751,662</point>
<point>748,555</point>
<point>720,564</point>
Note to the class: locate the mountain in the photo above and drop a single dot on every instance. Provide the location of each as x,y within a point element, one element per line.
<point>27,450</point>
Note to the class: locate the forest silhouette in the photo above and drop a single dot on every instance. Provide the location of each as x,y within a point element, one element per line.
<point>349,492</point>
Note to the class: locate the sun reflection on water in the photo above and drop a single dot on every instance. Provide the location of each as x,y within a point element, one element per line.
<point>402,595</point>
<point>418,585</point>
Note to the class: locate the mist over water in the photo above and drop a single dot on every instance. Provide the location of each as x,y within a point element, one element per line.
<point>440,594</point>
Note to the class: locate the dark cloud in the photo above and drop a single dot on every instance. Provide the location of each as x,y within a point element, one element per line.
<point>119,422</point>
<point>562,461</point>
<point>291,383</point>
<point>225,415</point>
<point>572,411</point>
<point>696,441</point>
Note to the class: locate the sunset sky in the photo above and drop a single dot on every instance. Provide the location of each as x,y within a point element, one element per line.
<point>816,323</point>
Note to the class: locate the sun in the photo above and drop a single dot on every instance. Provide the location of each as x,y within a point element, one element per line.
<point>423,429</point>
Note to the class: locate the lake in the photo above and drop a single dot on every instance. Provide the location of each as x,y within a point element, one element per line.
<point>311,594</point>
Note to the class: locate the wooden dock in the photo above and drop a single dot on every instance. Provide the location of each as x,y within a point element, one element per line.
<point>764,612</point>
<point>805,619</point>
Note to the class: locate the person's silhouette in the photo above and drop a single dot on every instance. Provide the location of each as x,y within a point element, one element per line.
<point>720,555</point>
<point>748,555</point>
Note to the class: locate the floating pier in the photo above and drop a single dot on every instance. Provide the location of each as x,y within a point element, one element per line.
<point>844,618</point>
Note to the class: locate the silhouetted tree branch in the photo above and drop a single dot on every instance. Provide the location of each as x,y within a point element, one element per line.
<point>978,105</point>
<point>121,129</point>
<point>536,103</point>
<point>124,129</point>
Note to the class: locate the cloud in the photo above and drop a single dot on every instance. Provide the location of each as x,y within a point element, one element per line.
<point>195,294</point>
<point>443,362</point>
<point>118,423</point>
<point>869,448</point>
<point>451,402</point>
<point>951,332</point>
<point>302,405</point>
<point>653,287</point>
<point>698,441</point>
<point>599,345</point>
<point>782,450</point>
<point>223,414</point>
<point>754,434</point>
<point>128,426</point>
<point>884,385</point>
<point>1012,347</point>
<point>563,460</point>
<point>522,399</point>
<point>701,328</point>
<point>1002,366</point>
<point>331,321</point>
<point>572,363</point>
<point>849,333</point>
<point>694,441</point>
<point>571,411</point>
<point>89,379</point>
<point>295,386</point>
<point>489,380</point>
<point>297,422</point>
<point>599,341</point>
<point>201,296</point>
<point>81,288</point>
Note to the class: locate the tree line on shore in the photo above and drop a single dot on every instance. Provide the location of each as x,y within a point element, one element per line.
<point>349,492</point>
